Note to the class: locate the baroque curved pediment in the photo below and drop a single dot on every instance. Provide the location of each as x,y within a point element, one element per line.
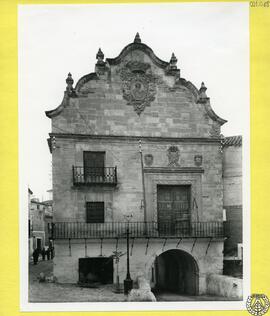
<point>137,46</point>
<point>139,81</point>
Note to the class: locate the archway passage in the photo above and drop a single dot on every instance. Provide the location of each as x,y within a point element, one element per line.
<point>176,271</point>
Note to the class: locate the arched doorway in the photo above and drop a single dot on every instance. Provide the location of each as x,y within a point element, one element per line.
<point>176,271</point>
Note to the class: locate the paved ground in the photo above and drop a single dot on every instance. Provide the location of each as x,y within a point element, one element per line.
<point>172,297</point>
<point>53,292</point>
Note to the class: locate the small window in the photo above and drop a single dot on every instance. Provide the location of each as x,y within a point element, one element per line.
<point>94,212</point>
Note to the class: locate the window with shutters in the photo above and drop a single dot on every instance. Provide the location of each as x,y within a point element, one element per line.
<point>93,163</point>
<point>94,212</point>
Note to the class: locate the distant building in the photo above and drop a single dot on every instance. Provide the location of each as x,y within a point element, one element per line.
<point>48,219</point>
<point>38,228</point>
<point>40,219</point>
<point>50,194</point>
<point>134,137</point>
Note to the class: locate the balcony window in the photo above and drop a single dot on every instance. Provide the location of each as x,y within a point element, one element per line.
<point>93,164</point>
<point>94,170</point>
<point>94,212</point>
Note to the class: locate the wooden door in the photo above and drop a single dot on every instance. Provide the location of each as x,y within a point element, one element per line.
<point>173,209</point>
<point>93,162</point>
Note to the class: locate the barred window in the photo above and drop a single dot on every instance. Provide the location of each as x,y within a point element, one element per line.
<point>94,212</point>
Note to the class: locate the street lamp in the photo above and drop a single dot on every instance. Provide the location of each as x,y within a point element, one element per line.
<point>143,187</point>
<point>128,282</point>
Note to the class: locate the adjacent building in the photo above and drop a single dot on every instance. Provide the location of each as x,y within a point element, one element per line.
<point>232,203</point>
<point>40,217</point>
<point>136,145</point>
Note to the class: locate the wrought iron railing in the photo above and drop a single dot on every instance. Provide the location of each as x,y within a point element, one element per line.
<point>89,176</point>
<point>64,230</point>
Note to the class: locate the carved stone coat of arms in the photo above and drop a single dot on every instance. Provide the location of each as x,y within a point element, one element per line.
<point>139,85</point>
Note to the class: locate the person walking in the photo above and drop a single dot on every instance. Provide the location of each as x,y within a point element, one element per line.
<point>52,252</point>
<point>36,255</point>
<point>43,253</point>
<point>48,253</point>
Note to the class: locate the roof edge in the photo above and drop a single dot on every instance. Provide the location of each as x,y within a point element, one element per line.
<point>232,141</point>
<point>140,46</point>
<point>213,115</point>
<point>52,113</point>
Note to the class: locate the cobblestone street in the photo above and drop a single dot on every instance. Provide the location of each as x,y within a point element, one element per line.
<point>53,292</point>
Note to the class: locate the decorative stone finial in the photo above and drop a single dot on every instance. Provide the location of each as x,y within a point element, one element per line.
<point>69,82</point>
<point>137,38</point>
<point>100,57</point>
<point>173,62</point>
<point>172,69</point>
<point>202,93</point>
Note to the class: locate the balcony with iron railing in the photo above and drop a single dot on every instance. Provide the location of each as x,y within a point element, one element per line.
<point>94,176</point>
<point>81,230</point>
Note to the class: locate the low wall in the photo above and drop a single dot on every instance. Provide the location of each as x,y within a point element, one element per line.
<point>225,286</point>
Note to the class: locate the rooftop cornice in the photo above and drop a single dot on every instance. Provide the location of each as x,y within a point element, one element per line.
<point>159,170</point>
<point>137,138</point>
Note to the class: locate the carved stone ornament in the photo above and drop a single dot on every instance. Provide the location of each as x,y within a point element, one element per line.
<point>215,130</point>
<point>173,156</point>
<point>139,87</point>
<point>148,159</point>
<point>198,160</point>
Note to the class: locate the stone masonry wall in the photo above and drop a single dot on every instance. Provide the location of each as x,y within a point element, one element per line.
<point>232,190</point>
<point>98,115</point>
<point>232,175</point>
<point>127,196</point>
<point>101,109</point>
<point>140,260</point>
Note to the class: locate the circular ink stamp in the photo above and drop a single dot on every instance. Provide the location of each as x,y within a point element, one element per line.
<point>257,304</point>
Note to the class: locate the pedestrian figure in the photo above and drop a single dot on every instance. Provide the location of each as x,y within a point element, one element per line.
<point>52,252</point>
<point>36,255</point>
<point>43,253</point>
<point>48,252</point>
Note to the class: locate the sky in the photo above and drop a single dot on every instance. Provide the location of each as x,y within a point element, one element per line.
<point>210,41</point>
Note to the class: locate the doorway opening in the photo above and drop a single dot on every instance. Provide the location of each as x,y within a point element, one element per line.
<point>39,243</point>
<point>96,270</point>
<point>176,271</point>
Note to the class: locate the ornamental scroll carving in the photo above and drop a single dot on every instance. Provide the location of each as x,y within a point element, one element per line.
<point>138,85</point>
<point>173,155</point>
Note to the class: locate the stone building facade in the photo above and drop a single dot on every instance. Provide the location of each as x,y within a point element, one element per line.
<point>37,213</point>
<point>134,140</point>
<point>40,218</point>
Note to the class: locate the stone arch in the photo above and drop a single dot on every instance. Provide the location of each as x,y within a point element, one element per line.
<point>175,271</point>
